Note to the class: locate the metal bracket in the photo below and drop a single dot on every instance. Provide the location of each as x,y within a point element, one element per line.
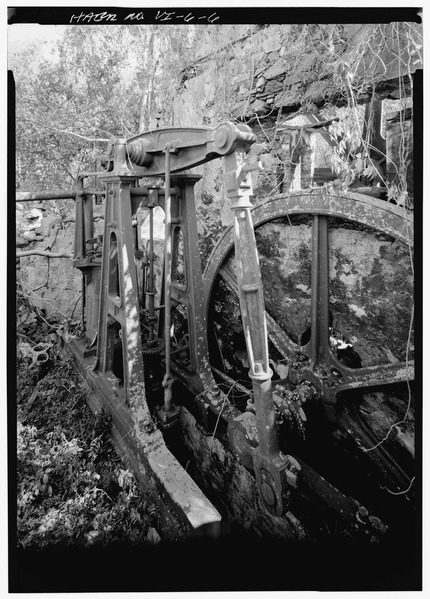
<point>167,419</point>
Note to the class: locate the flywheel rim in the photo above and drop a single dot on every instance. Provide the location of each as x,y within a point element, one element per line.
<point>363,209</point>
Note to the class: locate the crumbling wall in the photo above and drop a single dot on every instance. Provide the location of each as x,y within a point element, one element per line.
<point>51,283</point>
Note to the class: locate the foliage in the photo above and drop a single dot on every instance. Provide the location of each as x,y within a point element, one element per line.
<point>62,497</point>
<point>31,325</point>
<point>99,82</point>
<point>350,159</point>
<point>71,488</point>
<point>389,50</point>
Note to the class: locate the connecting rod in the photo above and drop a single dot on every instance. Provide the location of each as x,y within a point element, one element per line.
<point>167,381</point>
<point>268,463</point>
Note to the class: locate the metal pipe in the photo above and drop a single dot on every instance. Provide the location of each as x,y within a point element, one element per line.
<point>265,411</point>
<point>150,293</point>
<point>23,196</point>
<point>80,246</point>
<point>167,381</point>
<point>143,191</point>
<point>83,296</point>
<point>227,379</point>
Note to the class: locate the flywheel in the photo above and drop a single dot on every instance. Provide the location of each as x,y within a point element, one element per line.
<point>338,276</point>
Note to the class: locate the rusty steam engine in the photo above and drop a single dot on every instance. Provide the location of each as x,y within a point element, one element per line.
<point>226,406</point>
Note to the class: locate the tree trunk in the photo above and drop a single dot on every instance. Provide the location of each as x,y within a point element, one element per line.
<point>147,94</point>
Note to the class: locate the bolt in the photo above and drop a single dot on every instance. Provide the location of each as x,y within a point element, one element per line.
<point>268,494</point>
<point>220,138</point>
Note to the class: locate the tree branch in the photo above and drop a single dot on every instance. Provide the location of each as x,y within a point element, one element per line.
<point>43,253</point>
<point>63,131</point>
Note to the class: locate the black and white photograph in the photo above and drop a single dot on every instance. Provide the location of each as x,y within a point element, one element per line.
<point>214,305</point>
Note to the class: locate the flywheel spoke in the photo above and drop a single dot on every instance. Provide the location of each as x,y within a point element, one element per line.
<point>319,350</point>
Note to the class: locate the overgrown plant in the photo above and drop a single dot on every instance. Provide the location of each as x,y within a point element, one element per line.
<point>71,487</point>
<point>384,51</point>
<point>378,56</point>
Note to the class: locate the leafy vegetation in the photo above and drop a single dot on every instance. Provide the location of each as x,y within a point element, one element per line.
<point>72,490</point>
<point>99,81</point>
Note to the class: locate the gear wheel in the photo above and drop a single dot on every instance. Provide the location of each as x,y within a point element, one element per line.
<point>155,347</point>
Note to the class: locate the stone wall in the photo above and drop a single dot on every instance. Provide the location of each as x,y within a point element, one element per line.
<point>51,283</point>
<point>260,70</point>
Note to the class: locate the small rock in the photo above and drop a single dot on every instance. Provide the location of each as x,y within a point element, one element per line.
<point>34,213</point>
<point>30,235</point>
<point>272,43</point>
<point>49,223</point>
<point>260,83</point>
<point>206,198</point>
<point>276,69</point>
<point>20,242</point>
<point>274,86</point>
<point>259,107</point>
<point>24,350</point>
<point>256,149</point>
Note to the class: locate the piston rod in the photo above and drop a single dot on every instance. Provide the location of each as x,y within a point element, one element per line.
<point>167,381</point>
